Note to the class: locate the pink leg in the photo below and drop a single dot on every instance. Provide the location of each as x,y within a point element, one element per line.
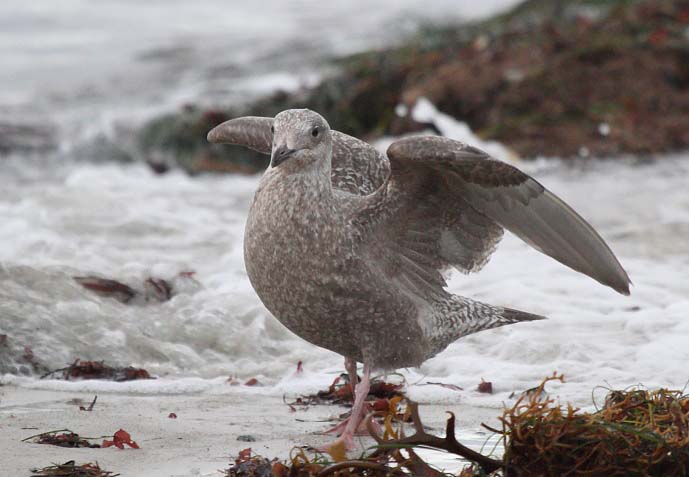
<point>360,394</point>
<point>350,366</point>
<point>355,419</point>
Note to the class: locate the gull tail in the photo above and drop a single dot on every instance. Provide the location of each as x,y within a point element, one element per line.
<point>457,316</point>
<point>510,315</point>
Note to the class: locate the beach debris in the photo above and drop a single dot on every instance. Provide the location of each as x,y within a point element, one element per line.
<point>298,404</point>
<point>69,438</point>
<point>246,438</point>
<point>393,439</point>
<point>172,415</point>
<point>340,392</point>
<point>157,289</point>
<point>153,289</point>
<point>471,470</point>
<point>234,381</point>
<point>107,288</point>
<point>636,432</point>
<point>120,439</point>
<point>90,408</point>
<point>453,387</point>
<point>97,370</point>
<point>637,429</point>
<point>61,438</point>
<point>246,465</point>
<point>393,456</point>
<point>71,469</point>
<point>537,392</point>
<point>382,390</point>
<point>485,387</point>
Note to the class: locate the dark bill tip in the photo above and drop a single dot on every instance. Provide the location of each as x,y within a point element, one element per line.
<point>280,155</point>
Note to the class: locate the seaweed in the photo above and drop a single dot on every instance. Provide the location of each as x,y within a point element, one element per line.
<point>637,432</point>
<point>392,456</point>
<point>71,469</point>
<point>61,438</point>
<point>97,370</point>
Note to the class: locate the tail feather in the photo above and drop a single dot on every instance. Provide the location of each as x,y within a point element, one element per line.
<point>458,316</point>
<point>510,316</point>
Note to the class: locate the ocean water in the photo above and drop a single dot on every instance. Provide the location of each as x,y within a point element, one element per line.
<point>83,67</point>
<point>93,71</point>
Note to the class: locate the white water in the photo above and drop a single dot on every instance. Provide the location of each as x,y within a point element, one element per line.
<point>65,218</point>
<point>125,223</point>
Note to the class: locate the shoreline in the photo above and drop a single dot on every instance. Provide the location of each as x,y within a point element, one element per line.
<point>199,442</point>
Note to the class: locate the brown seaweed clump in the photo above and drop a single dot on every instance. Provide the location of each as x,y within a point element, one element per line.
<point>392,456</point>
<point>61,438</point>
<point>97,370</point>
<point>637,433</point>
<point>71,469</point>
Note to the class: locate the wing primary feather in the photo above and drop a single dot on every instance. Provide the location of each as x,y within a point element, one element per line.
<point>510,198</point>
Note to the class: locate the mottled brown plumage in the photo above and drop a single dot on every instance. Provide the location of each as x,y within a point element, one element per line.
<point>347,248</point>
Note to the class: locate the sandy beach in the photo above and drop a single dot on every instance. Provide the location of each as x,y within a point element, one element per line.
<point>199,442</point>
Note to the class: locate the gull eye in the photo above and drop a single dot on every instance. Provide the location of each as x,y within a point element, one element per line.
<point>315,131</point>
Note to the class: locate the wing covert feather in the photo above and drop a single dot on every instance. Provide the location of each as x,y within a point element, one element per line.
<point>515,201</point>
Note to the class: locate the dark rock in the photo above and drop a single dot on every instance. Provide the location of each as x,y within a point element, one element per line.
<point>548,78</point>
<point>179,140</point>
<point>566,78</point>
<point>604,86</point>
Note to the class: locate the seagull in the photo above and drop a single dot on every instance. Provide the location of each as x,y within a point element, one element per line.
<point>349,248</point>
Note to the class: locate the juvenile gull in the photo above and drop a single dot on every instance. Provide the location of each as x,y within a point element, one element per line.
<point>347,247</point>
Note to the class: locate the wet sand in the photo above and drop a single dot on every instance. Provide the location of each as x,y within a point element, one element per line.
<point>199,442</point>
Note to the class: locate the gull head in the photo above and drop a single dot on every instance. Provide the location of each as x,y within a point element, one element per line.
<point>301,138</point>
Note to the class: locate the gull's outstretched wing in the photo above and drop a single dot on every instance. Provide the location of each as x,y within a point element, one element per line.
<point>445,204</point>
<point>357,167</point>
